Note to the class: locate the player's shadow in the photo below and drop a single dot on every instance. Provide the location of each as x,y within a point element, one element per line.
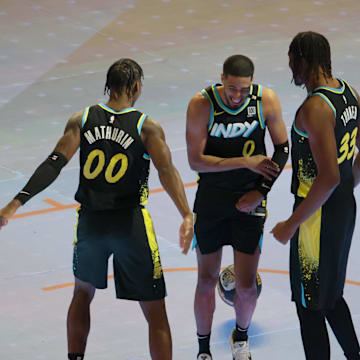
<point>254,333</point>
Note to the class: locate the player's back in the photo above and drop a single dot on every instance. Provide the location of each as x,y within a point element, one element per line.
<point>344,103</point>
<point>114,166</point>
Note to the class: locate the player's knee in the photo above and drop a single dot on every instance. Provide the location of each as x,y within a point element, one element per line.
<point>84,295</point>
<point>246,292</point>
<point>207,282</point>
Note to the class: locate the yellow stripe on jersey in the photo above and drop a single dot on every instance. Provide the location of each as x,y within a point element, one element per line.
<point>211,121</point>
<point>124,111</point>
<point>306,176</point>
<point>324,97</point>
<point>224,107</point>
<point>85,116</point>
<point>309,248</point>
<point>333,90</point>
<point>153,244</point>
<point>140,122</point>
<point>351,89</point>
<point>303,189</point>
<point>299,132</point>
<point>259,107</point>
<point>76,225</point>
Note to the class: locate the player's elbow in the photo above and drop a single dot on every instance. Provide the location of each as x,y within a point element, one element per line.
<point>332,179</point>
<point>195,164</point>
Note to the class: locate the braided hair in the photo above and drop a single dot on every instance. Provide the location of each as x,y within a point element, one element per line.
<point>122,76</point>
<point>315,49</point>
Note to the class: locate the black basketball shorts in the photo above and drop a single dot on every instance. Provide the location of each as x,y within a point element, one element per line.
<point>244,232</point>
<point>129,236</point>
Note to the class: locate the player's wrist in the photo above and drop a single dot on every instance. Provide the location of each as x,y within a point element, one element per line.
<point>11,207</point>
<point>188,216</point>
<point>292,223</point>
<point>244,162</point>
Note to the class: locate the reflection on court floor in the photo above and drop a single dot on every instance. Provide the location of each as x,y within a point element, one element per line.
<point>53,59</point>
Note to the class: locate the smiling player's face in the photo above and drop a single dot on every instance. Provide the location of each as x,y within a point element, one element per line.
<point>236,89</point>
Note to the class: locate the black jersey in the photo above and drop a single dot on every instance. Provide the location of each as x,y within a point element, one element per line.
<point>234,133</point>
<point>114,166</point>
<point>344,104</point>
<point>320,247</point>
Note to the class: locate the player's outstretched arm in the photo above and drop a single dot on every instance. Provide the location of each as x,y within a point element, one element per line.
<point>49,170</point>
<point>198,117</point>
<point>154,140</point>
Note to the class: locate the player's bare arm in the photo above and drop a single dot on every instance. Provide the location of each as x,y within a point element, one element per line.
<point>48,171</point>
<point>273,117</point>
<point>154,140</point>
<point>356,165</point>
<point>274,121</point>
<point>198,116</point>
<point>317,120</point>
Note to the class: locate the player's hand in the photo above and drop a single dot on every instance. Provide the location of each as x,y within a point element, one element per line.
<point>283,231</point>
<point>186,233</point>
<point>8,211</point>
<point>263,165</point>
<point>3,221</point>
<point>249,201</point>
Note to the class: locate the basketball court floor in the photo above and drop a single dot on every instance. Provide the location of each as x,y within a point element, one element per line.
<point>53,60</point>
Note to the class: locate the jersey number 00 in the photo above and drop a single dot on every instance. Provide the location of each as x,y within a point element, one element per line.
<point>110,177</point>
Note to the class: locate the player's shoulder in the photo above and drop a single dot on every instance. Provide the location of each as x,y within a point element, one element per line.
<point>151,126</point>
<point>199,102</point>
<point>268,94</point>
<point>270,101</point>
<point>314,110</point>
<point>76,118</point>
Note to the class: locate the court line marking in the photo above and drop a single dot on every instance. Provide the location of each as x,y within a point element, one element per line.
<point>56,206</point>
<point>171,270</point>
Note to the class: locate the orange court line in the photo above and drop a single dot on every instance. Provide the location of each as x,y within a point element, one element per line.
<point>271,271</point>
<point>59,207</point>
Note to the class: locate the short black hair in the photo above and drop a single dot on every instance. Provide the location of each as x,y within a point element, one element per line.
<point>315,49</point>
<point>122,76</point>
<point>238,65</point>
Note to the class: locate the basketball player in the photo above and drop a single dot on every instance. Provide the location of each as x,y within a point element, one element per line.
<point>324,135</point>
<point>116,143</point>
<point>226,125</point>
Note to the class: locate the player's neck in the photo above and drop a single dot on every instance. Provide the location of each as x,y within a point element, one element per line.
<point>120,103</point>
<point>322,80</point>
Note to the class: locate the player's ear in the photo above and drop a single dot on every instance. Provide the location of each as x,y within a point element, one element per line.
<point>136,90</point>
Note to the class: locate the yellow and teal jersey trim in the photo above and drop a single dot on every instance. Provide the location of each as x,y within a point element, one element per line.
<point>141,122</point>
<point>351,89</point>
<point>334,90</point>
<point>85,116</point>
<point>211,121</point>
<point>327,100</point>
<point>146,156</point>
<point>224,107</point>
<point>123,111</point>
<point>299,132</point>
<point>259,107</point>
